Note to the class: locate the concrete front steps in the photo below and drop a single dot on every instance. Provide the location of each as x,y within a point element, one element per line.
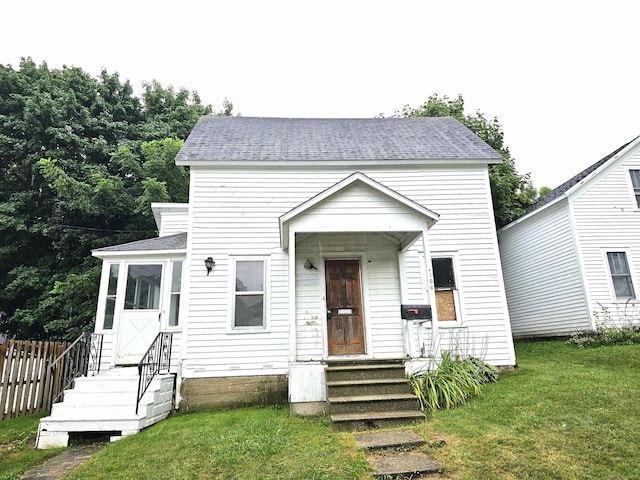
<point>106,403</point>
<point>372,394</point>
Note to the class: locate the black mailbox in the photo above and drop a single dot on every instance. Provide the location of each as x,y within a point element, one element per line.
<point>415,312</point>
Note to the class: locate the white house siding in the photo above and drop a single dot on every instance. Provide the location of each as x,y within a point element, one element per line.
<point>607,219</point>
<point>235,212</point>
<point>542,275</point>
<point>173,223</point>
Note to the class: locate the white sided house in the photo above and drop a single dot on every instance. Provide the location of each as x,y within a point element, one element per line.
<point>572,262</point>
<point>311,250</point>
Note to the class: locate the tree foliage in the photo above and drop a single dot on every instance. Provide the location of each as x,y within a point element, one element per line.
<point>81,158</point>
<point>512,192</point>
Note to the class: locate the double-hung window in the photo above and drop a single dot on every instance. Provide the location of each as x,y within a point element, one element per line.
<point>620,275</point>
<point>174,303</point>
<point>446,291</point>
<point>110,305</point>
<point>635,184</point>
<point>249,294</point>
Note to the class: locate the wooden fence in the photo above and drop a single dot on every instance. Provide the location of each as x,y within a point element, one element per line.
<point>25,376</point>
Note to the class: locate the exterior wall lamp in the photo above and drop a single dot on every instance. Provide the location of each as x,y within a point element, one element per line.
<point>209,263</point>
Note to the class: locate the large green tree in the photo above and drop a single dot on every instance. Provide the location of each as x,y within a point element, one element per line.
<point>513,193</point>
<point>81,158</point>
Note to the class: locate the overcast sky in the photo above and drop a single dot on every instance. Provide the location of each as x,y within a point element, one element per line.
<point>559,75</point>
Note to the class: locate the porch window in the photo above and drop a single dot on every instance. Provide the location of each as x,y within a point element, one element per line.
<point>445,286</point>
<point>249,294</point>
<point>110,306</point>
<point>143,287</point>
<point>620,275</point>
<point>635,183</point>
<point>176,281</point>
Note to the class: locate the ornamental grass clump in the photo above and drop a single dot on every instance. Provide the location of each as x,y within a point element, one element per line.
<point>452,382</point>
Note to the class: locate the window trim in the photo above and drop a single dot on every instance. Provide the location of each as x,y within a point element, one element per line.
<point>634,191</point>
<point>631,270</point>
<point>240,329</point>
<point>457,291</point>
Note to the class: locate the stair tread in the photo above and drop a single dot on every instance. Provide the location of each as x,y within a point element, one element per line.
<point>373,381</point>
<point>364,366</point>
<point>373,398</point>
<point>350,417</point>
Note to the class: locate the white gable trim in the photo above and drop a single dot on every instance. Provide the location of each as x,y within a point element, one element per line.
<point>357,178</point>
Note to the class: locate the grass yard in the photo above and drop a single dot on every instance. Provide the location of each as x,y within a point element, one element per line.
<point>17,442</point>
<point>565,413</point>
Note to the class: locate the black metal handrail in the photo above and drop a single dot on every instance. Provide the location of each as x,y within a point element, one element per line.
<point>80,358</point>
<point>156,360</point>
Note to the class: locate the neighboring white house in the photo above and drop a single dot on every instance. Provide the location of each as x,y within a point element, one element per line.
<point>573,260</point>
<point>319,231</point>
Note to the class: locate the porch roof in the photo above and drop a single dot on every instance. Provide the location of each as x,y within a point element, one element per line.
<point>168,244</point>
<point>409,225</point>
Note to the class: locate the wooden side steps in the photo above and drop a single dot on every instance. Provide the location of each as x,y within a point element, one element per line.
<point>372,394</point>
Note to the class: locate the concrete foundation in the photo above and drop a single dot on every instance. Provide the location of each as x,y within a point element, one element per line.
<point>205,393</point>
<point>309,408</point>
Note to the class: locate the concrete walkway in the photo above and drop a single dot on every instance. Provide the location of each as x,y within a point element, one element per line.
<point>60,465</point>
<point>390,456</point>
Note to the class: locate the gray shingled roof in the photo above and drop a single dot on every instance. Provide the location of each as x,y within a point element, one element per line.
<point>566,186</point>
<point>168,242</point>
<point>336,139</point>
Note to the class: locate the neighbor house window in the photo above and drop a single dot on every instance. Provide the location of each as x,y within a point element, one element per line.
<point>249,295</point>
<point>174,304</point>
<point>445,286</point>
<point>143,287</point>
<point>635,182</point>
<point>110,306</point>
<point>620,275</point>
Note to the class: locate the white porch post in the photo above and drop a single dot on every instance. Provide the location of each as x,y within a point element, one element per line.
<point>292,297</point>
<point>406,324</point>
<point>430,295</point>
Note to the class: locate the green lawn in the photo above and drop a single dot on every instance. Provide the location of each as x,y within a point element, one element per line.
<point>17,441</point>
<point>564,413</point>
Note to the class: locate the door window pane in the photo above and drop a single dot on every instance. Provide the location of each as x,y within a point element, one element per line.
<point>143,287</point>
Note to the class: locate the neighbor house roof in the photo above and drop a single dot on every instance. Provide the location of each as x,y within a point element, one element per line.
<point>157,244</point>
<point>219,139</point>
<point>573,181</point>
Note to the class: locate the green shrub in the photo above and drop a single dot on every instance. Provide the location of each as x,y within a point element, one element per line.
<point>452,382</point>
<point>618,327</point>
<point>627,334</point>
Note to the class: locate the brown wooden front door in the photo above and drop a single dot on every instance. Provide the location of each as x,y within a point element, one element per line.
<point>345,328</point>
